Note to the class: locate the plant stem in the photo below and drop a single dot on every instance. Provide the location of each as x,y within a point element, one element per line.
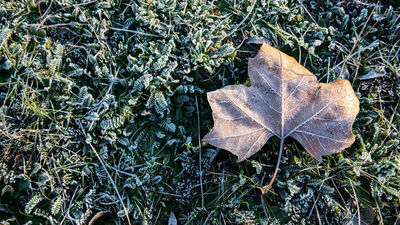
<point>135,32</point>
<point>261,190</point>
<point>198,134</point>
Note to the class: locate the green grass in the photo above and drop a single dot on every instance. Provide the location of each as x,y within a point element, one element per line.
<point>100,103</point>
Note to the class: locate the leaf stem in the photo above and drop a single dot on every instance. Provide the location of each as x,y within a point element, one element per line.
<point>261,190</point>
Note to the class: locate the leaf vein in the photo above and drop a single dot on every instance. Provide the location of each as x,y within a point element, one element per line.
<point>233,136</point>
<point>319,136</point>
<point>266,81</point>
<point>294,89</point>
<point>306,121</point>
<point>237,105</point>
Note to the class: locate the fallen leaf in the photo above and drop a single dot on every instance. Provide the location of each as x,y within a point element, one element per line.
<point>367,217</point>
<point>96,217</point>
<point>285,100</point>
<point>257,40</point>
<point>371,75</point>
<point>172,219</point>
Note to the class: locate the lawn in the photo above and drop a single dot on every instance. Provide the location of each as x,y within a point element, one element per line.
<point>103,106</point>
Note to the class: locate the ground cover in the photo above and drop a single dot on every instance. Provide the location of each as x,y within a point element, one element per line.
<point>102,104</point>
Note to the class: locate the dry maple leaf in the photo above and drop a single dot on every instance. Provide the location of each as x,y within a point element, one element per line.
<point>285,100</point>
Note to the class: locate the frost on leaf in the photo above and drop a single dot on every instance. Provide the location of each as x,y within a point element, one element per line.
<point>285,100</point>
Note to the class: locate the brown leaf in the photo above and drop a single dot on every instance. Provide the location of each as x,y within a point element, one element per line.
<point>285,100</point>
